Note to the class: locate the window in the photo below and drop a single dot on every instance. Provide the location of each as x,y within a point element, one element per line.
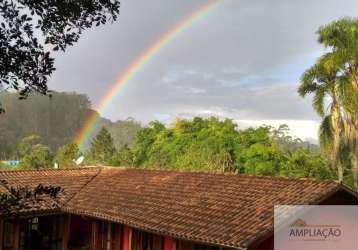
<point>41,233</point>
<point>56,232</point>
<point>8,235</point>
<point>187,245</point>
<point>110,236</point>
<point>146,241</point>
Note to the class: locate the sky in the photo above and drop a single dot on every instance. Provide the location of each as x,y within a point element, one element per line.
<point>243,61</point>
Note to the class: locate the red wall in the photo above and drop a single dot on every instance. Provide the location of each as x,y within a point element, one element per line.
<point>125,241</point>
<point>168,243</point>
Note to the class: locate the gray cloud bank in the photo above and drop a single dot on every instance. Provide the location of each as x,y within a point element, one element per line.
<point>244,59</point>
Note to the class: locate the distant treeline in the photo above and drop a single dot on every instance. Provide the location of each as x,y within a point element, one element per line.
<point>39,132</point>
<point>212,144</point>
<point>56,120</point>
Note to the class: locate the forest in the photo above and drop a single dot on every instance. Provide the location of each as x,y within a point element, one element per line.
<point>55,120</point>
<point>39,132</point>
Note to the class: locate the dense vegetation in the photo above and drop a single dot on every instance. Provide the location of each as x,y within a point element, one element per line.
<point>207,145</point>
<point>55,120</point>
<point>217,145</point>
<point>199,144</point>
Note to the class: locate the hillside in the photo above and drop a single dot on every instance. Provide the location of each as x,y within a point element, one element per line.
<point>56,120</point>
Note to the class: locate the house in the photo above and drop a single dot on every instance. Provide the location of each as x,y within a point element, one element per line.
<point>129,209</point>
<point>11,163</point>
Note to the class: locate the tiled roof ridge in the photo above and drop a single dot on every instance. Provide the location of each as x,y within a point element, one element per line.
<point>201,172</point>
<point>198,172</point>
<point>79,191</point>
<point>49,169</point>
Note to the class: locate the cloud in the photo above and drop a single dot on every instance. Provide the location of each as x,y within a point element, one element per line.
<point>304,129</point>
<point>245,59</point>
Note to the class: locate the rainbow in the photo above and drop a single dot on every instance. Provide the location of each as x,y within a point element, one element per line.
<point>89,125</point>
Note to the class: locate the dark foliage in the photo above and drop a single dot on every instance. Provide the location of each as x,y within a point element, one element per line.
<point>31,30</point>
<point>24,198</point>
<point>56,121</point>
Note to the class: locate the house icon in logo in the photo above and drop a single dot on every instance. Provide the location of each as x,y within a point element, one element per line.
<point>298,223</point>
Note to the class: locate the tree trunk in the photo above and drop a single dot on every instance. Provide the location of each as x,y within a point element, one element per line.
<point>340,173</point>
<point>355,171</point>
<point>354,152</point>
<point>336,125</point>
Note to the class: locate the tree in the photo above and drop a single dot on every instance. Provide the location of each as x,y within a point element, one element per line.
<point>341,37</point>
<point>39,157</point>
<point>67,155</point>
<point>304,163</point>
<point>19,199</point>
<point>33,154</point>
<point>144,140</point>
<point>336,74</point>
<point>55,120</point>
<point>124,157</point>
<point>102,148</point>
<point>257,154</point>
<point>322,80</point>
<point>31,31</point>
<point>27,144</point>
<point>212,144</point>
<point>123,132</point>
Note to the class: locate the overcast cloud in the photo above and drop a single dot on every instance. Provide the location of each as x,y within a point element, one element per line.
<point>243,60</point>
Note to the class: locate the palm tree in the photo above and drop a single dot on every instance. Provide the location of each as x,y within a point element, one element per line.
<point>321,80</point>
<point>342,38</point>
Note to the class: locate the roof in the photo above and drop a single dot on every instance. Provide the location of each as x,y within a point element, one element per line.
<point>71,182</point>
<point>226,210</point>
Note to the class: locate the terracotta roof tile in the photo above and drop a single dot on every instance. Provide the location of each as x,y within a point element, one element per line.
<point>71,181</point>
<point>227,210</point>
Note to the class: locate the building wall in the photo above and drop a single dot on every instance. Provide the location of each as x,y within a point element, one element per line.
<point>71,232</point>
<point>28,233</point>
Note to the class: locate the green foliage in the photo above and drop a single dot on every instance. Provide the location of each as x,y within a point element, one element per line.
<point>31,31</point>
<point>123,132</point>
<point>39,157</point>
<point>200,144</point>
<point>333,80</point>
<point>56,121</point>
<point>102,149</point>
<point>305,163</point>
<point>217,145</point>
<point>67,155</point>
<point>27,144</point>
<point>124,157</point>
<point>256,153</point>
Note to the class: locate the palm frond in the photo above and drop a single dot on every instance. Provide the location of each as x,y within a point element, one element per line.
<point>318,100</point>
<point>307,81</point>
<point>326,134</point>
